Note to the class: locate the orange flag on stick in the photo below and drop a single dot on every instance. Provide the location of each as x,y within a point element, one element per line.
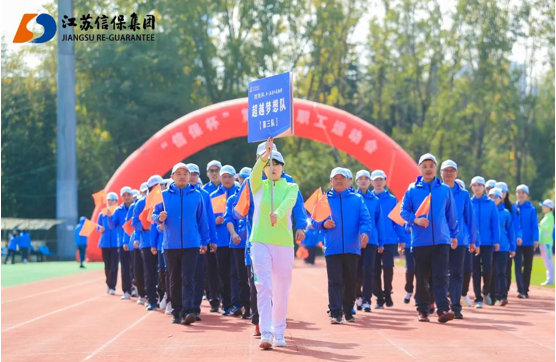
<point>425,207</point>
<point>244,201</point>
<point>100,198</point>
<point>395,214</point>
<point>112,208</point>
<point>313,199</point>
<point>144,217</point>
<point>322,209</point>
<point>302,252</point>
<point>150,216</point>
<point>219,204</point>
<point>128,228</point>
<point>154,197</point>
<point>88,228</point>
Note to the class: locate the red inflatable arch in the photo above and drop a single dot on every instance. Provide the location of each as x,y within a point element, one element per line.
<point>223,121</point>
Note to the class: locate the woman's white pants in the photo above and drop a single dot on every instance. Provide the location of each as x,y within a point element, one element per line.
<point>273,266</point>
<point>546,253</point>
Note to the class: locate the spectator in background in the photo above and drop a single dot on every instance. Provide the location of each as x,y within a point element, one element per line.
<point>24,245</point>
<point>12,246</point>
<point>80,241</point>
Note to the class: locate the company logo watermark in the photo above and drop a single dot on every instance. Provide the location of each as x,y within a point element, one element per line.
<point>23,35</point>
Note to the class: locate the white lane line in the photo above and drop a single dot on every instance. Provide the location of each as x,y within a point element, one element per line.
<point>98,350</point>
<point>49,314</point>
<point>51,291</point>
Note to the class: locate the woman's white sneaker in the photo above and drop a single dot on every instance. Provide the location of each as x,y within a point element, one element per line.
<point>169,308</point>
<point>468,301</point>
<point>141,301</point>
<point>266,340</point>
<point>111,291</point>
<point>163,303</point>
<point>279,341</point>
<point>126,296</point>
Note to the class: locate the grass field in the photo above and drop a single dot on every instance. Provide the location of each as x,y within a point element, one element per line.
<point>20,273</point>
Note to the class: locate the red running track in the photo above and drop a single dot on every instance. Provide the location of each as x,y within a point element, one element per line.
<point>72,319</point>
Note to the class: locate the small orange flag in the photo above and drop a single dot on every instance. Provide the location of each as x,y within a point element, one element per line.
<point>395,214</point>
<point>100,198</point>
<point>128,228</point>
<point>312,200</point>
<point>219,204</point>
<point>322,209</point>
<point>244,202</point>
<point>302,252</point>
<point>88,228</point>
<point>425,207</point>
<point>144,217</point>
<point>112,208</point>
<point>154,197</point>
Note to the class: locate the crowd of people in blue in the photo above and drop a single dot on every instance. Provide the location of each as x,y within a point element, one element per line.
<point>19,241</point>
<point>190,253</point>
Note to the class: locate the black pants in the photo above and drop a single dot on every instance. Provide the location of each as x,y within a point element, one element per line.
<point>499,289</point>
<point>243,278</point>
<point>253,288</point>
<point>234,281</point>
<point>213,279</point>
<point>523,267</point>
<point>138,272</point>
<point>409,270</point>
<point>163,282</point>
<point>82,249</point>
<point>432,259</point>
<point>509,273</point>
<point>126,276</point>
<point>223,257</point>
<point>12,254</point>
<point>457,261</point>
<point>365,274</point>
<point>342,273</point>
<point>181,268</point>
<point>467,272</point>
<point>110,258</point>
<point>482,267</point>
<point>199,283</point>
<point>312,253</point>
<point>384,265</point>
<point>24,253</point>
<point>150,263</point>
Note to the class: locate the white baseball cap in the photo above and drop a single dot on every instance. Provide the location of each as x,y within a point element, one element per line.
<point>502,186</point>
<point>214,163</point>
<point>177,166</point>
<point>112,196</point>
<point>447,164</point>
<point>144,187</point>
<point>261,148</point>
<point>348,173</point>
<point>338,171</point>
<point>523,188</point>
<point>154,180</point>
<point>126,189</point>
<point>491,183</point>
<point>461,183</point>
<point>427,157</point>
<point>193,168</point>
<point>496,192</point>
<point>362,173</point>
<point>378,174</point>
<point>548,203</point>
<point>478,180</point>
<point>228,169</point>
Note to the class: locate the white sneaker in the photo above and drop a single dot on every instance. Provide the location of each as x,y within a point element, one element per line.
<point>163,303</point>
<point>468,301</point>
<point>279,341</point>
<point>134,293</point>
<point>266,340</point>
<point>141,301</point>
<point>126,296</point>
<point>479,305</point>
<point>359,302</point>
<point>111,291</point>
<point>169,308</point>
<point>547,283</point>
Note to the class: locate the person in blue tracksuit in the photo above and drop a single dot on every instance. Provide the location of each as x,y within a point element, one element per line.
<point>468,261</point>
<point>499,291</point>
<point>371,256</point>
<point>116,222</point>
<point>148,248</point>
<point>211,262</point>
<point>489,185</point>
<point>432,232</point>
<point>132,245</point>
<point>238,233</point>
<point>109,246</point>
<point>186,233</point>
<point>486,220</point>
<point>212,273</point>
<point>346,232</point>
<point>530,241</point>
<point>12,246</point>
<point>81,241</point>
<point>467,235</point>
<point>24,243</point>
<point>394,235</point>
<point>227,273</point>
<point>312,239</point>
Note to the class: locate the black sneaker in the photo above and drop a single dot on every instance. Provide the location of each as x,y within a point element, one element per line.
<point>336,320</point>
<point>379,306</point>
<point>236,311</point>
<point>197,317</point>
<point>407,300</point>
<point>389,302</point>
<point>176,320</point>
<point>82,266</point>
<point>189,319</point>
<point>349,318</point>
<point>458,315</point>
<point>214,309</point>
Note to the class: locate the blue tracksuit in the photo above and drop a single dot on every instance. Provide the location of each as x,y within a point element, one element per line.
<point>210,214</point>
<point>239,225</point>
<point>529,223</point>
<point>117,221</point>
<point>352,219</point>
<point>12,245</point>
<point>108,239</point>
<point>130,241</point>
<point>221,230</point>
<point>377,218</point>
<point>464,213</point>
<point>312,238</point>
<point>25,240</point>
<point>144,234</point>
<point>393,233</point>
<point>507,230</point>
<point>486,219</point>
